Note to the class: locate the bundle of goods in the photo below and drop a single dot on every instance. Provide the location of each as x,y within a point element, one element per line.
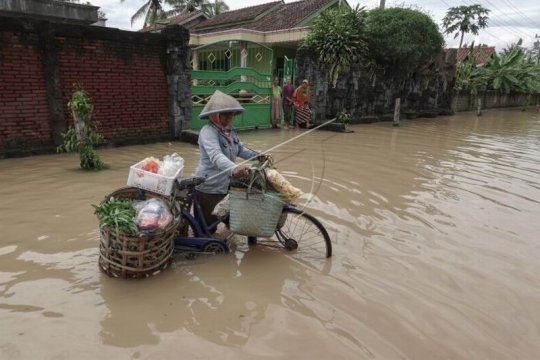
<point>255,206</point>
<point>156,175</point>
<point>137,230</point>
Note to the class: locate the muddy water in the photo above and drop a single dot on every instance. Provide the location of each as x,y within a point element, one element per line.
<point>435,231</point>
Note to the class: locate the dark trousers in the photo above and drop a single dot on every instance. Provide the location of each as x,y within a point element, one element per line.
<point>287,113</point>
<point>208,202</point>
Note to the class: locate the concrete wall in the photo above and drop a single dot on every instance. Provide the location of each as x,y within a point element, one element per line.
<point>53,10</point>
<point>139,83</point>
<point>493,99</point>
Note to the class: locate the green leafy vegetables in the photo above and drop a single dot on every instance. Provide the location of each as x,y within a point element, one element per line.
<point>118,213</point>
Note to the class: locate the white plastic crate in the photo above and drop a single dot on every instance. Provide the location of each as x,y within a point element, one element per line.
<point>152,182</point>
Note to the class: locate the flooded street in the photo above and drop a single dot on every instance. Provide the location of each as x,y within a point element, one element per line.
<point>435,231</point>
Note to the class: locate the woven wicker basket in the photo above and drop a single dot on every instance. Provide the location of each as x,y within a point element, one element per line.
<point>141,256</point>
<point>254,214</point>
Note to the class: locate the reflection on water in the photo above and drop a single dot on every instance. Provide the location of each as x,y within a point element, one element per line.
<point>434,226</point>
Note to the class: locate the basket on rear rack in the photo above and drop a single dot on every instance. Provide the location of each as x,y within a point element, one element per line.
<point>137,256</point>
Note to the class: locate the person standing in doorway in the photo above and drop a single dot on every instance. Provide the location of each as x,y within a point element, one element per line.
<point>276,104</point>
<point>302,99</point>
<point>288,92</point>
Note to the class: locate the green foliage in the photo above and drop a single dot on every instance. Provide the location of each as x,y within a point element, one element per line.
<point>402,40</point>
<point>465,19</point>
<point>118,213</point>
<point>511,71</point>
<point>338,36</point>
<point>343,117</point>
<point>210,8</point>
<point>81,107</point>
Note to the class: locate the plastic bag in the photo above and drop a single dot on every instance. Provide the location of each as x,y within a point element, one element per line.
<point>152,214</point>
<point>222,207</point>
<point>283,186</point>
<point>171,164</point>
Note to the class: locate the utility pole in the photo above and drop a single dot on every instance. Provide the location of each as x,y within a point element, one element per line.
<point>537,48</point>
<point>381,6</point>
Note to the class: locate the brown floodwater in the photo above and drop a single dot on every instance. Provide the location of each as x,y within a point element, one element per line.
<point>435,227</point>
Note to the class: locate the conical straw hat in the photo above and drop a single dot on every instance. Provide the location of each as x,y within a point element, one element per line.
<point>221,103</point>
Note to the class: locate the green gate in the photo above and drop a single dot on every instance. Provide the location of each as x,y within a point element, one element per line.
<point>241,69</point>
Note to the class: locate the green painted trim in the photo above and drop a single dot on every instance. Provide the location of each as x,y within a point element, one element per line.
<point>307,20</point>
<point>235,86</point>
<point>227,41</point>
<point>255,116</point>
<point>227,75</point>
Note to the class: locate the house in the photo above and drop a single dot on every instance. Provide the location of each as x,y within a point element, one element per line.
<point>187,20</point>
<point>240,51</point>
<point>480,54</point>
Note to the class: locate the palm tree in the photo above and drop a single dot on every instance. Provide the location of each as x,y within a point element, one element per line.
<point>465,19</point>
<point>151,11</point>
<point>216,8</point>
<point>208,7</point>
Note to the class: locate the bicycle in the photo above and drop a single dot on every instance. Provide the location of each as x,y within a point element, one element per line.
<point>297,231</point>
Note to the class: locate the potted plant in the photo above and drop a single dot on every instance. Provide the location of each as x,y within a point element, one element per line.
<point>344,117</point>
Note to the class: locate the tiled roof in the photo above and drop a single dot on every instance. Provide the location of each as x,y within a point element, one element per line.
<point>481,55</point>
<point>289,15</point>
<point>178,19</point>
<point>283,16</point>
<point>240,15</point>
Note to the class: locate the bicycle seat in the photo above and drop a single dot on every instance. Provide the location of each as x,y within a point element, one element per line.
<point>189,183</point>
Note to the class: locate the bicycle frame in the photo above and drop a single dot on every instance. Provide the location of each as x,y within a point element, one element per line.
<point>202,231</point>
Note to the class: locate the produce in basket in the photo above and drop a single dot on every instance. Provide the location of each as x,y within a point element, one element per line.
<point>119,214</point>
<point>152,214</point>
<point>151,164</point>
<point>283,186</point>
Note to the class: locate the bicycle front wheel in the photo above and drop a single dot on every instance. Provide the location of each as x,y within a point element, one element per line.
<point>303,234</point>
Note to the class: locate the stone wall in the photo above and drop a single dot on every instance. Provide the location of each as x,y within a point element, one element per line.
<point>138,83</point>
<point>427,94</point>
<point>367,97</point>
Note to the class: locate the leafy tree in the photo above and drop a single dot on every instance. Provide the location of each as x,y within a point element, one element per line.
<point>465,19</point>
<point>151,11</point>
<point>208,7</point>
<point>338,36</point>
<point>215,8</point>
<point>402,40</point>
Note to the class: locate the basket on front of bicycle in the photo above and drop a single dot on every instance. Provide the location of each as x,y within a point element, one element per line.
<point>254,212</point>
<point>141,255</point>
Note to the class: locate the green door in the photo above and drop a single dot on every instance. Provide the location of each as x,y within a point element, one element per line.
<point>288,69</point>
<point>238,68</point>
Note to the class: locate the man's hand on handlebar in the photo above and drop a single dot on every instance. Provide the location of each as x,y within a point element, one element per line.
<point>264,157</point>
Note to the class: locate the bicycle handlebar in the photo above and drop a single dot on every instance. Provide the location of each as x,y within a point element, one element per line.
<point>189,183</point>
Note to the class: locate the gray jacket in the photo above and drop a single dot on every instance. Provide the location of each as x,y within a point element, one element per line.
<point>218,156</point>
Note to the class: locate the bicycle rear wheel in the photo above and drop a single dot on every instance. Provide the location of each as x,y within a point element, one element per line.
<point>303,234</point>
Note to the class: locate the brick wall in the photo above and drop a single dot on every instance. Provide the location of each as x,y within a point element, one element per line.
<point>23,103</point>
<point>126,85</point>
<point>132,79</point>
